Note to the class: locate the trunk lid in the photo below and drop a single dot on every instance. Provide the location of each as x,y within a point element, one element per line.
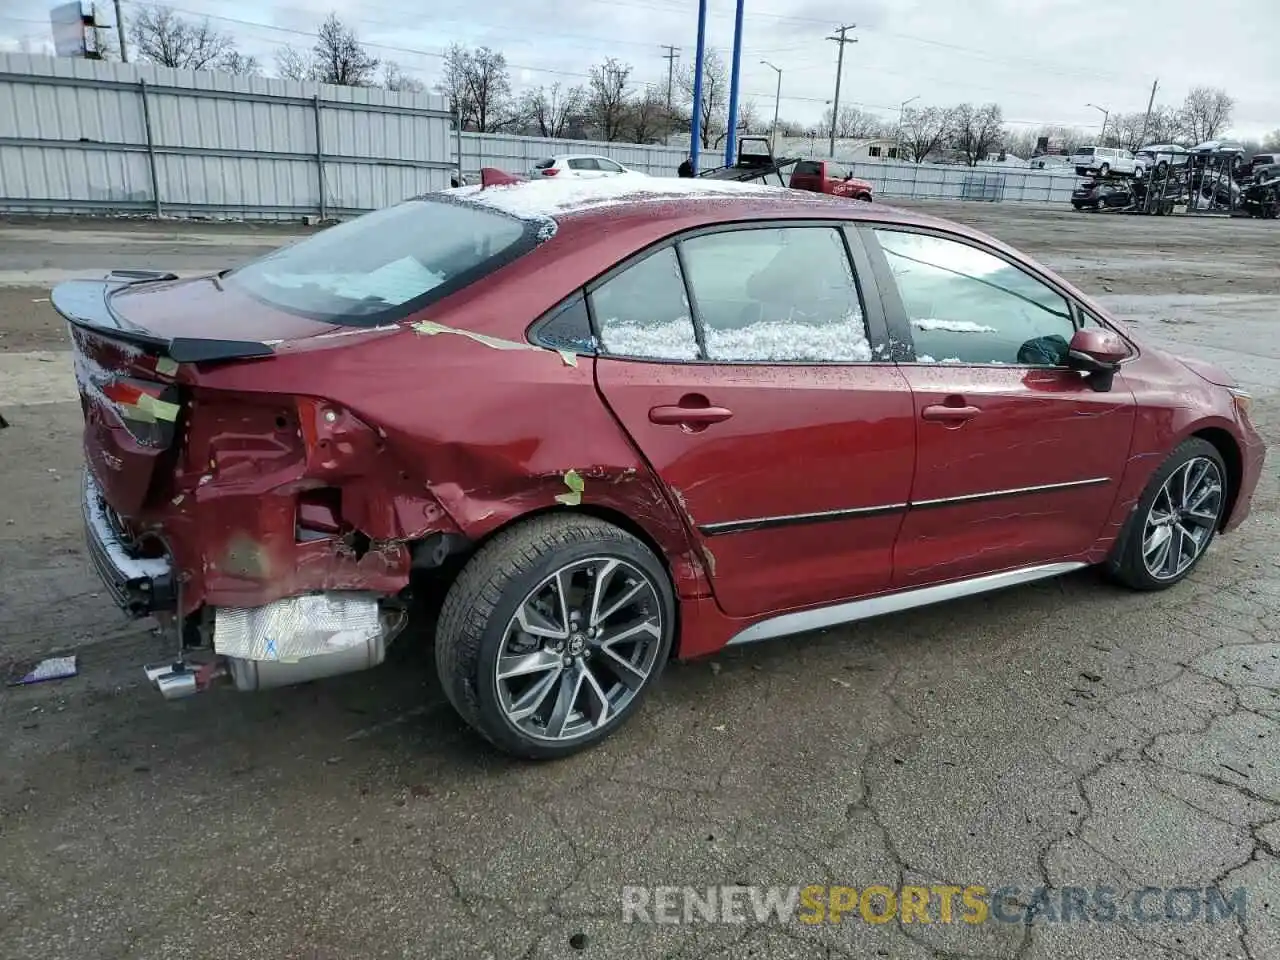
<point>130,333</point>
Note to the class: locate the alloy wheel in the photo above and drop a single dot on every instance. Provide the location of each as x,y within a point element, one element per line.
<point>1182,518</point>
<point>578,649</point>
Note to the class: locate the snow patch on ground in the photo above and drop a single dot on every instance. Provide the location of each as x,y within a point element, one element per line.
<point>952,326</point>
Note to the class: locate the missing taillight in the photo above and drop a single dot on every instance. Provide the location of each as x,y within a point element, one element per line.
<point>148,411</point>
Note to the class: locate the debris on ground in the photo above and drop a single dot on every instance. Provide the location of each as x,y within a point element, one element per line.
<point>53,668</point>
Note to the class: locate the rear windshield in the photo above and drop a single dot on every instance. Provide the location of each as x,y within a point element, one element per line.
<point>809,168</point>
<point>384,265</point>
<point>544,164</point>
<point>1083,151</point>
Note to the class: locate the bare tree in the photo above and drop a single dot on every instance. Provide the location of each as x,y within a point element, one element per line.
<point>1126,130</point>
<point>1205,114</point>
<point>749,119</point>
<point>924,130</point>
<point>395,79</point>
<point>715,96</point>
<point>339,58</point>
<point>336,58</point>
<point>550,109</point>
<point>293,65</point>
<point>854,123</point>
<point>976,130</point>
<point>647,118</point>
<point>607,97</point>
<point>160,36</point>
<point>478,86</point>
<point>1272,140</point>
<point>790,128</point>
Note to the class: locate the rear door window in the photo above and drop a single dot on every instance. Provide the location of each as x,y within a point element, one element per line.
<point>771,295</point>
<point>808,168</point>
<point>583,163</point>
<point>643,312</point>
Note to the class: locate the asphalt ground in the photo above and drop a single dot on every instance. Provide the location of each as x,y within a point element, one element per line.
<point>1067,735</point>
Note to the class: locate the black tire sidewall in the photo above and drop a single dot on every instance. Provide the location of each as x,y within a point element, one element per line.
<point>1129,566</point>
<point>492,718</point>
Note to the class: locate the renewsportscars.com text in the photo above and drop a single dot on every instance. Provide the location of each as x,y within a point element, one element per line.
<point>938,903</point>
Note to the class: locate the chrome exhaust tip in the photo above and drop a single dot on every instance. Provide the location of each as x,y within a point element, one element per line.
<point>179,680</point>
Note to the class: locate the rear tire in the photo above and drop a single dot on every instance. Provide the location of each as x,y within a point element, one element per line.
<point>1174,521</point>
<point>542,599</point>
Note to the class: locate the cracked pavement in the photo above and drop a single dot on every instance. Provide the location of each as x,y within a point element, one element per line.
<point>1065,734</point>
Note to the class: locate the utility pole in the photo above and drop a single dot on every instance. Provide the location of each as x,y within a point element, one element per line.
<point>777,100</point>
<point>124,50</point>
<point>1146,123</point>
<point>670,56</point>
<point>835,104</point>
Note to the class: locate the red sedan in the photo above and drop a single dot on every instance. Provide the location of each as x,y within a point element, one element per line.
<point>610,422</point>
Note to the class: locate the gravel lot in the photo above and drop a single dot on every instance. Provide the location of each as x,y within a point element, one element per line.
<point>1063,734</point>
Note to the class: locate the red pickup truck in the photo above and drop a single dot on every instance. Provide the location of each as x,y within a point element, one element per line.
<point>828,176</point>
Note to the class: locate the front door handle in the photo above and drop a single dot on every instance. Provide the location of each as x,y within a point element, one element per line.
<point>948,413</point>
<point>689,416</point>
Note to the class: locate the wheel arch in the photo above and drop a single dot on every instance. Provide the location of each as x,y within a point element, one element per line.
<point>680,569</point>
<point>1232,456</point>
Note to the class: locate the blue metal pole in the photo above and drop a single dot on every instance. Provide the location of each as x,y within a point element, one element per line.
<point>695,133</point>
<point>731,136</point>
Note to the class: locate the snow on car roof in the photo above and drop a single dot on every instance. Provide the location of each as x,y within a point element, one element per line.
<point>545,199</point>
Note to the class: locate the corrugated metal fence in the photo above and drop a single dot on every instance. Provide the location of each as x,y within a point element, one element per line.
<point>985,182</point>
<point>79,137</point>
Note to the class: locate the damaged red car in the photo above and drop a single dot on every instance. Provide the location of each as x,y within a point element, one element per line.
<point>615,422</point>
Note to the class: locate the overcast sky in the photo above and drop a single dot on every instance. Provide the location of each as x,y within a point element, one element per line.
<point>1042,60</point>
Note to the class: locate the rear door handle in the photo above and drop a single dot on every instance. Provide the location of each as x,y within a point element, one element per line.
<point>949,414</point>
<point>688,415</point>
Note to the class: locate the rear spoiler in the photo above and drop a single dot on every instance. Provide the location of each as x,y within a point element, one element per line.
<point>87,304</point>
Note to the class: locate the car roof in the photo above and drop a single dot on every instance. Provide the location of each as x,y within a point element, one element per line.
<point>590,202</point>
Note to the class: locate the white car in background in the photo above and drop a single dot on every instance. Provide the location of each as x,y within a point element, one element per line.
<point>1104,160</point>
<point>1160,156</point>
<point>584,165</point>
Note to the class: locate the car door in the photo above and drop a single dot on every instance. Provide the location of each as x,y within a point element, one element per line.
<point>585,167</point>
<point>741,361</point>
<point>1018,458</point>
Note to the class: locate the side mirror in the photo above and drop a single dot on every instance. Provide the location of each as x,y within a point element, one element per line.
<point>1098,353</point>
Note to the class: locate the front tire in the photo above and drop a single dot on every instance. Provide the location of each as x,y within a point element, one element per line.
<point>1175,520</point>
<point>554,633</point>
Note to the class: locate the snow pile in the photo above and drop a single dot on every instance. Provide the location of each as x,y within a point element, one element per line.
<point>768,341</point>
<point>925,358</point>
<point>544,198</point>
<point>771,341</point>
<point>673,340</point>
<point>952,326</point>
